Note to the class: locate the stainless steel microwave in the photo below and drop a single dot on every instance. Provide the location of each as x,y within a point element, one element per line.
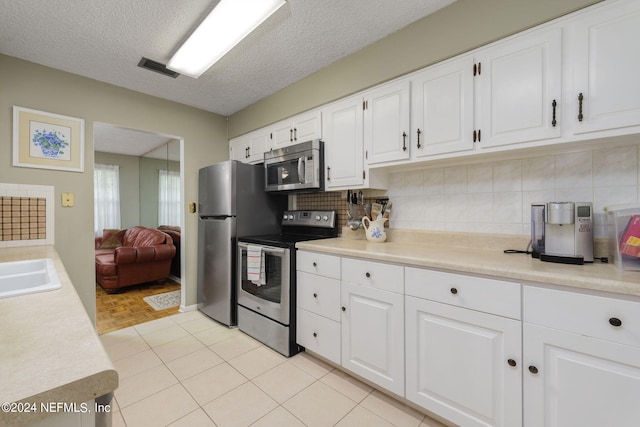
<point>296,168</point>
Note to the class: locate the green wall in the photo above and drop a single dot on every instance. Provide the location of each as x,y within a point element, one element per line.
<point>41,88</point>
<point>149,181</point>
<point>129,185</point>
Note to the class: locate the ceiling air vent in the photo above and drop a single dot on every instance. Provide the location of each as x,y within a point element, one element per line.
<point>157,67</point>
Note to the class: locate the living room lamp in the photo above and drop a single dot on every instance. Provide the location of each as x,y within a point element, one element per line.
<point>228,23</point>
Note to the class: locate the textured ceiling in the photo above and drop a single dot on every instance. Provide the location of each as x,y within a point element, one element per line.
<point>105,39</point>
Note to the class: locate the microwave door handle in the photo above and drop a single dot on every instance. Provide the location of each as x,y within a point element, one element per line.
<point>301,168</point>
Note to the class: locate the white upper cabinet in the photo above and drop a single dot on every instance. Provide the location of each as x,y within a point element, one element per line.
<point>605,62</point>
<point>442,108</point>
<point>250,147</point>
<point>301,128</point>
<point>342,128</point>
<point>518,89</point>
<point>386,122</point>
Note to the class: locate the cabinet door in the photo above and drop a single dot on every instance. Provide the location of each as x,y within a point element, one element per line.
<point>443,101</point>
<point>459,364</point>
<point>239,149</point>
<point>373,335</point>
<point>307,127</point>
<point>518,84</point>
<point>386,123</point>
<point>579,381</point>
<point>282,134</point>
<point>259,143</point>
<point>342,130</point>
<point>605,68</point>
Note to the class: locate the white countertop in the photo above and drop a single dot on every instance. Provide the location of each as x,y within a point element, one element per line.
<point>49,349</point>
<point>486,261</point>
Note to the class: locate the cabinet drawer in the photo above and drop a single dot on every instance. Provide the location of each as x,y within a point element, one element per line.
<point>319,295</point>
<point>322,264</point>
<point>477,293</point>
<point>610,319</point>
<point>318,334</point>
<point>388,277</point>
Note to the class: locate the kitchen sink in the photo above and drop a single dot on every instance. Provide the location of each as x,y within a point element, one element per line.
<point>28,277</point>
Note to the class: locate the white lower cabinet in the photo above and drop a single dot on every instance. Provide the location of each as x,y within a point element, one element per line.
<point>373,335</point>
<point>574,380</point>
<point>582,359</point>
<point>463,365</point>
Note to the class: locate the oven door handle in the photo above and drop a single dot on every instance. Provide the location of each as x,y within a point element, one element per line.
<point>267,249</point>
<point>301,167</point>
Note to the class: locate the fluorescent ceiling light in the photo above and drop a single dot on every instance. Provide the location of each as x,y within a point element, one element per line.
<point>228,23</point>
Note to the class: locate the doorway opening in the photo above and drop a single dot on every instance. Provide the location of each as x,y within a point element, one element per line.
<point>150,192</point>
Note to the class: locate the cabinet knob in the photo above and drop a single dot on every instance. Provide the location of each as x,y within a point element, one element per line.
<point>367,274</point>
<point>315,334</point>
<point>315,295</point>
<point>344,308</point>
<point>315,264</point>
<point>533,369</point>
<point>454,291</point>
<point>614,321</point>
<point>511,362</point>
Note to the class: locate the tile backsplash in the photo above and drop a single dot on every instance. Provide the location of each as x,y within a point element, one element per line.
<point>23,218</point>
<point>495,196</point>
<point>26,215</point>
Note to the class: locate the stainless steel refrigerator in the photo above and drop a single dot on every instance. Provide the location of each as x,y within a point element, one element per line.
<point>232,203</point>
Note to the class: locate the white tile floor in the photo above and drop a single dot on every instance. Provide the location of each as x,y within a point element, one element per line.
<point>187,370</point>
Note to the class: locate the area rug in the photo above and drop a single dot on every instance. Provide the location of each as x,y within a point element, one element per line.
<point>163,301</point>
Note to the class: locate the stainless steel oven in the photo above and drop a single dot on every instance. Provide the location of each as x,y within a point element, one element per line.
<point>270,299</point>
<point>266,303</point>
<point>298,167</point>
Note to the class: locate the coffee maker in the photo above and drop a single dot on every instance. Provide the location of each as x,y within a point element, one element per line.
<point>562,232</point>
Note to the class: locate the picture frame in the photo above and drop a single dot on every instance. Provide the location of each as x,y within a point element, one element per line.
<point>47,141</point>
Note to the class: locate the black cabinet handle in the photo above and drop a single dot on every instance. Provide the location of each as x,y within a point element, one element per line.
<point>328,173</point>
<point>315,334</point>
<point>419,132</point>
<point>367,274</point>
<point>404,141</point>
<point>533,369</point>
<point>614,321</point>
<point>295,134</point>
<point>580,99</point>
<point>479,135</point>
<point>454,291</point>
<point>475,135</point>
<point>315,264</point>
<point>511,362</point>
<point>315,295</point>
<point>344,308</point>
<point>291,135</point>
<point>553,118</point>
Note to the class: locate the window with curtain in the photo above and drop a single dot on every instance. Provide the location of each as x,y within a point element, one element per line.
<point>106,197</point>
<point>169,204</point>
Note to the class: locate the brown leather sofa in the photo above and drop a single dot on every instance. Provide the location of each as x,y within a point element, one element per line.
<point>175,233</point>
<point>132,256</point>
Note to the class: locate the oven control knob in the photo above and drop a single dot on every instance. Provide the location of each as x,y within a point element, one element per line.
<point>291,217</point>
<point>284,217</point>
<point>317,217</point>
<point>325,218</point>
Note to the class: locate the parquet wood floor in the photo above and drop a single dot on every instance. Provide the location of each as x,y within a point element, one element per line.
<point>127,308</point>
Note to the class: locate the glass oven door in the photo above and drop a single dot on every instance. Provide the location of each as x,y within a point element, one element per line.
<point>271,299</point>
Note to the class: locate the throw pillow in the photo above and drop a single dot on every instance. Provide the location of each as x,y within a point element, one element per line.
<point>111,239</point>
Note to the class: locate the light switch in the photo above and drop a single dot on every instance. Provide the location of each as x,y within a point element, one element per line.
<point>67,200</point>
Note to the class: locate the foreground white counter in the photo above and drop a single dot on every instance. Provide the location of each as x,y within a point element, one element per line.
<point>49,350</point>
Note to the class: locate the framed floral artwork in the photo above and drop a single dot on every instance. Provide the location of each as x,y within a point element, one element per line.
<point>47,141</point>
